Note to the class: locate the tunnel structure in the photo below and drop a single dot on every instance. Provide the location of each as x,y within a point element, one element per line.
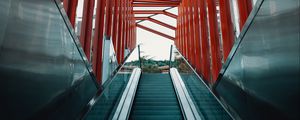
<point>230,60</point>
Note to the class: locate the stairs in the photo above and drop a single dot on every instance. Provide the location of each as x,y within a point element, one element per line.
<point>155,99</point>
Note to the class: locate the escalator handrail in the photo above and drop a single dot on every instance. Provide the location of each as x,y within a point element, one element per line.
<point>188,107</point>
<point>125,104</point>
<point>201,80</point>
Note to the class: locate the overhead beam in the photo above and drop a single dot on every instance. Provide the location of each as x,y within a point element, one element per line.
<point>148,12</point>
<point>162,23</point>
<point>157,22</point>
<point>141,18</point>
<point>157,1</point>
<point>155,4</point>
<point>155,32</point>
<point>155,12</point>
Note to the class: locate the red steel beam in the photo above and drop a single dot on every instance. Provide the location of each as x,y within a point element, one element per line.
<point>197,37</point>
<point>70,8</point>
<point>123,31</point>
<point>148,12</point>
<point>155,32</point>
<point>141,18</point>
<point>245,8</point>
<point>156,0</point>
<point>226,27</point>
<point>185,24</point>
<point>214,39</point>
<point>204,41</point>
<point>156,12</point>
<point>115,25</point>
<point>86,27</point>
<point>155,4</point>
<point>191,33</point>
<point>157,22</point>
<point>108,17</point>
<point>170,14</point>
<point>162,23</point>
<point>97,42</point>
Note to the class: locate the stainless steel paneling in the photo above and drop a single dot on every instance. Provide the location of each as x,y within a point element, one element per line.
<point>262,79</point>
<point>43,74</point>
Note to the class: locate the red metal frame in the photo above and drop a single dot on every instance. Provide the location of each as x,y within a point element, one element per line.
<point>245,7</point>
<point>197,37</point>
<point>191,33</point>
<point>115,24</point>
<point>86,27</point>
<point>214,39</point>
<point>98,40</point>
<point>155,32</point>
<point>226,27</point>
<point>108,18</point>
<point>115,19</point>
<point>70,8</point>
<point>205,68</point>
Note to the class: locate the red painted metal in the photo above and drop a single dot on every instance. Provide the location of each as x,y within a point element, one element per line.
<point>245,7</point>
<point>122,47</point>
<point>115,24</point>
<point>155,4</point>
<point>156,12</point>
<point>108,18</point>
<point>186,33</point>
<point>197,37</point>
<point>70,8</point>
<point>170,14</point>
<point>119,49</point>
<point>148,12</point>
<point>141,18</point>
<point>226,27</point>
<point>214,39</point>
<point>155,32</point>
<point>162,23</point>
<point>86,27</point>
<point>98,40</point>
<point>157,0</point>
<point>191,33</point>
<point>204,42</point>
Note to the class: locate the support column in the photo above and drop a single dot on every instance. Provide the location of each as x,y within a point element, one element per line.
<point>204,42</point>
<point>86,27</point>
<point>70,8</point>
<point>98,40</point>
<point>197,36</point>
<point>214,39</point>
<point>191,33</point>
<point>245,8</point>
<point>227,28</point>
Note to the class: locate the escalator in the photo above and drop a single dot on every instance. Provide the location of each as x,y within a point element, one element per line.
<point>176,95</point>
<point>155,99</point>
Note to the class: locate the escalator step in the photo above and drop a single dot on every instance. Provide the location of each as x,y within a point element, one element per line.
<point>155,99</point>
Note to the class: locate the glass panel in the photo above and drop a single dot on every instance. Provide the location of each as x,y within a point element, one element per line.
<point>262,80</point>
<point>205,101</point>
<point>107,102</point>
<point>42,72</point>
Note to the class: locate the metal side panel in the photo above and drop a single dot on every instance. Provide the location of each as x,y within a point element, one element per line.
<point>261,79</point>
<point>43,74</point>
